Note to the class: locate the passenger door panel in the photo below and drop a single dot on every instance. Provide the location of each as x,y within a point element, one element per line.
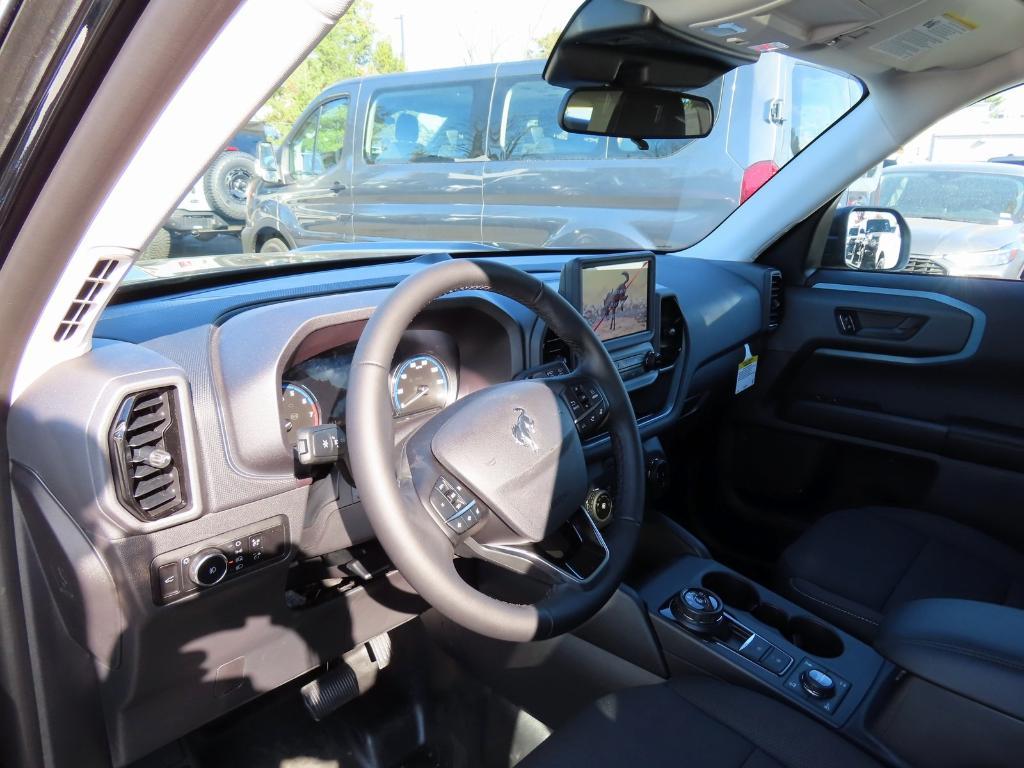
<point>920,402</point>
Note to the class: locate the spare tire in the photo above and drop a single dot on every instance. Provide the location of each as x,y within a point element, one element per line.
<point>159,248</point>
<point>226,181</point>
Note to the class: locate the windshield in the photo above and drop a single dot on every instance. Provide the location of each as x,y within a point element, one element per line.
<point>417,127</point>
<point>977,198</point>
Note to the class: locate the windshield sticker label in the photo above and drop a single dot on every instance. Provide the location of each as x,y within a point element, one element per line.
<point>768,47</point>
<point>747,372</point>
<point>925,36</point>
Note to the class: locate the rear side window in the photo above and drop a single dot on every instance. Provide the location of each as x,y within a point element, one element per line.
<point>429,124</point>
<point>528,128</point>
<point>819,98</point>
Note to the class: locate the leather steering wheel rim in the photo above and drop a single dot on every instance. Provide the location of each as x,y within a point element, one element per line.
<point>417,545</point>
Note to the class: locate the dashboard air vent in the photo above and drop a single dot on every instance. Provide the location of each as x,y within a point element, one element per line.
<point>774,300</point>
<point>81,306</point>
<point>671,334</point>
<point>147,456</point>
<point>553,348</point>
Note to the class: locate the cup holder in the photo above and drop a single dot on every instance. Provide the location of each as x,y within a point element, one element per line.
<point>805,633</point>
<point>772,616</point>
<point>814,637</point>
<point>734,591</point>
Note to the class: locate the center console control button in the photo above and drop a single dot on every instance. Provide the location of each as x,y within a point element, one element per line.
<point>699,610</point>
<point>755,647</point>
<point>776,661</point>
<point>818,686</point>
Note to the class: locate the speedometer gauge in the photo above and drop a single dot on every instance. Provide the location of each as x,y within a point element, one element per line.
<point>299,408</point>
<point>421,383</point>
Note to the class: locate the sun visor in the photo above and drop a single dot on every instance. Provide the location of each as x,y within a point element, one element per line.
<point>626,44</point>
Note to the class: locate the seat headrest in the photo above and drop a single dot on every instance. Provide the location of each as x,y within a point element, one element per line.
<point>407,127</point>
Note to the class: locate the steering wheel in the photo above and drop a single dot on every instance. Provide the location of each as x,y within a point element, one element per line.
<point>500,473</point>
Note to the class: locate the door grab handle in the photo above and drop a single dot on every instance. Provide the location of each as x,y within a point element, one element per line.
<point>884,326</point>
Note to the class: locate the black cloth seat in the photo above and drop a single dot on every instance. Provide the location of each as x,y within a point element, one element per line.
<point>853,566</point>
<point>695,722</point>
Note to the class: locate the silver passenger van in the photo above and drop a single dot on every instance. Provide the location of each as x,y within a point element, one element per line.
<point>476,154</point>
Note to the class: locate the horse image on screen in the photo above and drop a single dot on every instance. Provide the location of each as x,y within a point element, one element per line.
<point>614,298</point>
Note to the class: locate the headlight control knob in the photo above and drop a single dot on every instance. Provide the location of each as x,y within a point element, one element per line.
<point>208,567</point>
<point>599,506</point>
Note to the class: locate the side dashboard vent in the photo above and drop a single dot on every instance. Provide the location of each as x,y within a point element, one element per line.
<point>553,349</point>
<point>672,332</point>
<point>775,303</point>
<point>81,307</point>
<point>147,455</point>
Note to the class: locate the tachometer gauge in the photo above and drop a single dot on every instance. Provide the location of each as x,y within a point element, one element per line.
<point>299,408</point>
<point>421,383</point>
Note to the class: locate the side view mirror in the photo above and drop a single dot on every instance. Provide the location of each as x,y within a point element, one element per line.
<point>266,163</point>
<point>876,239</point>
<point>647,113</point>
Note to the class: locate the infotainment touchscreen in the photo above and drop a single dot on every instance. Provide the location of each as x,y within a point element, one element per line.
<point>614,297</point>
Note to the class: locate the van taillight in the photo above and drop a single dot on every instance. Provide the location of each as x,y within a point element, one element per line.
<point>755,176</point>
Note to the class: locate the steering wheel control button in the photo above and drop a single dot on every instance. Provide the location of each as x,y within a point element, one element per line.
<point>208,567</point>
<point>818,684</point>
<point>466,520</point>
<point>776,661</point>
<point>449,499</point>
<point>588,405</point>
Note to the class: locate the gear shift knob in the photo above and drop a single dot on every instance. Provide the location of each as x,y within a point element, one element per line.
<point>699,610</point>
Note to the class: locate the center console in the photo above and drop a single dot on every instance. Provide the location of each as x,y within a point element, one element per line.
<point>709,617</point>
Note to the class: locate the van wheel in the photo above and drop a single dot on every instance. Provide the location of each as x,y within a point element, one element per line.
<point>159,247</point>
<point>274,245</point>
<point>226,181</point>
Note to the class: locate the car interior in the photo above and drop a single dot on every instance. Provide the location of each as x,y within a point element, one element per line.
<point>732,505</point>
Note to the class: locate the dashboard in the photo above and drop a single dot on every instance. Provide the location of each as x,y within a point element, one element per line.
<point>184,544</point>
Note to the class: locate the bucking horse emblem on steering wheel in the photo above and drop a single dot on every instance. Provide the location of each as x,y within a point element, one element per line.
<point>523,429</point>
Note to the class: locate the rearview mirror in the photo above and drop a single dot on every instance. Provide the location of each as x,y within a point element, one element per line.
<point>636,114</point>
<point>266,163</point>
<point>869,239</point>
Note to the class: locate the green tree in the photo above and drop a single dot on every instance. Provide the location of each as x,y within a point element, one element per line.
<point>350,49</point>
<point>541,46</point>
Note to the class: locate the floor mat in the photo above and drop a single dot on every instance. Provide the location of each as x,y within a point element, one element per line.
<point>424,712</point>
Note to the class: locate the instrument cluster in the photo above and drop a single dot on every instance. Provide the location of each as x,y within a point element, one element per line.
<point>424,378</point>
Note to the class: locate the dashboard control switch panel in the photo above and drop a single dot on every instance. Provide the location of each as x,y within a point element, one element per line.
<point>206,564</point>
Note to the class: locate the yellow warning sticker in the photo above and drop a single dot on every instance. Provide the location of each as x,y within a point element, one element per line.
<point>925,36</point>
